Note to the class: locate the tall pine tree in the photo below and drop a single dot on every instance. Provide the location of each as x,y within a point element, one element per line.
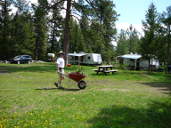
<point>40,24</point>
<point>151,26</point>
<point>5,30</point>
<point>55,26</point>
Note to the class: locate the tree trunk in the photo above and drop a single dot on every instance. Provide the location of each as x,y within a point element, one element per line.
<point>53,42</point>
<point>36,50</point>
<point>168,49</point>
<point>67,30</point>
<point>149,66</point>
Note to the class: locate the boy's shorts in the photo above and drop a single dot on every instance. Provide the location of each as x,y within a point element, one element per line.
<point>61,72</point>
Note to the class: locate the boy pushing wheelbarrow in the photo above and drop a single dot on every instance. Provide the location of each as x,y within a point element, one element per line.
<point>60,63</point>
<point>76,76</point>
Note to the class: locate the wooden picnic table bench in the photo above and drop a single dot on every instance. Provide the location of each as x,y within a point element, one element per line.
<point>105,69</point>
<point>112,71</point>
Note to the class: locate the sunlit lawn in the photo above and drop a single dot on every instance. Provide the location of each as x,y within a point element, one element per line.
<point>126,99</point>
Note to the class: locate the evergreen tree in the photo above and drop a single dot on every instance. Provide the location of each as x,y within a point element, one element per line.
<point>85,12</point>
<point>77,42</point>
<point>22,34</point>
<point>151,26</point>
<point>85,30</point>
<point>167,23</point>
<point>133,40</point>
<point>164,39</point>
<point>128,41</point>
<point>122,44</point>
<point>97,42</point>
<point>5,29</point>
<point>106,15</point>
<point>40,23</point>
<point>22,29</point>
<point>55,26</point>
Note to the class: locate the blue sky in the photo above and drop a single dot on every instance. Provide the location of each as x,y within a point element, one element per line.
<point>133,11</point>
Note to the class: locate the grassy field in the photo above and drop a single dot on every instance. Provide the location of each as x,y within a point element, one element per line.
<point>126,99</point>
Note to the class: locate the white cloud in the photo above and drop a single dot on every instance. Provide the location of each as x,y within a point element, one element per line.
<point>33,1</point>
<point>13,9</point>
<point>36,1</point>
<point>63,12</point>
<point>114,43</point>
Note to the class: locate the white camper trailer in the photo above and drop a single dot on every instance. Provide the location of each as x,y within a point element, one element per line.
<point>84,58</point>
<point>92,58</point>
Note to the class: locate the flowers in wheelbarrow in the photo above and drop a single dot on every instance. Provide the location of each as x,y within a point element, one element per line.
<point>80,69</point>
<point>68,65</point>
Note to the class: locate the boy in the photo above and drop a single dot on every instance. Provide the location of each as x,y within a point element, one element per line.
<point>60,63</point>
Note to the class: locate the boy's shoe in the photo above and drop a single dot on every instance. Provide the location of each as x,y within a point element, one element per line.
<point>56,84</point>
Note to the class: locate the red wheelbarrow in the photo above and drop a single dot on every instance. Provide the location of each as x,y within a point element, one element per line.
<point>77,77</point>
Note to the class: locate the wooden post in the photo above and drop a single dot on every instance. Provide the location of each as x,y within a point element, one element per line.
<point>135,64</point>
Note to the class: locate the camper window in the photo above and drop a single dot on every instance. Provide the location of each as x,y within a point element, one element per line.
<point>89,57</point>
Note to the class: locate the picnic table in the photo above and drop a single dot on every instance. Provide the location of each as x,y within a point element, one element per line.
<point>105,69</point>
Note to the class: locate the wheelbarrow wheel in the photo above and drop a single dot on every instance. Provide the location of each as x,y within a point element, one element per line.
<point>82,84</point>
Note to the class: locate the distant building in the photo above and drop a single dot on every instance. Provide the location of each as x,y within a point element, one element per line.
<point>136,61</point>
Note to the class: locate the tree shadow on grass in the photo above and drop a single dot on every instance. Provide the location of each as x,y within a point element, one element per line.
<point>61,88</point>
<point>157,115</point>
<point>161,86</point>
<point>29,68</point>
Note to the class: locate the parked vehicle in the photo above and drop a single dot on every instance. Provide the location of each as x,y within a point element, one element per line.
<point>21,59</point>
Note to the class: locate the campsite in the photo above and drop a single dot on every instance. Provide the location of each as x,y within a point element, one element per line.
<point>85,64</point>
<point>127,98</point>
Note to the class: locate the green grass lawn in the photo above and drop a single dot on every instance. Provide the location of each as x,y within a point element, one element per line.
<point>126,99</point>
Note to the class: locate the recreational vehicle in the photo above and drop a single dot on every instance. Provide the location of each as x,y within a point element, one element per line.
<point>84,58</point>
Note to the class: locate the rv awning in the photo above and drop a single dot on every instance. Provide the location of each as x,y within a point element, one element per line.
<point>131,56</point>
<point>77,54</point>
